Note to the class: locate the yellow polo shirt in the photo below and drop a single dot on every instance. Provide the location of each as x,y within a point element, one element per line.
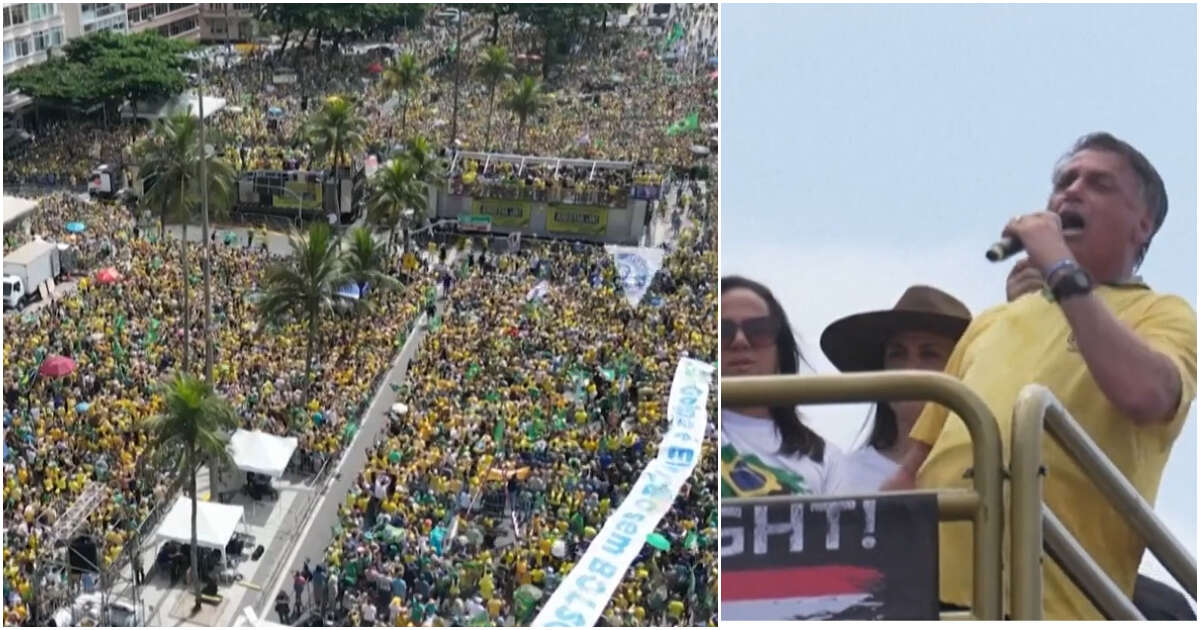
<point>1030,341</point>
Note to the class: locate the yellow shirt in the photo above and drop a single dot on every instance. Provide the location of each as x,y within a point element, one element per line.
<point>1030,341</point>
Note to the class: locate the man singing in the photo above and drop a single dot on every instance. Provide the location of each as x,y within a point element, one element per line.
<point>1119,356</point>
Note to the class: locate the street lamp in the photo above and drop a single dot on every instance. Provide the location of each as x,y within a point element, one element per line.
<point>457,15</point>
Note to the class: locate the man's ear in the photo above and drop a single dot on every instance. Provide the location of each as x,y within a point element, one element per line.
<point>1144,231</point>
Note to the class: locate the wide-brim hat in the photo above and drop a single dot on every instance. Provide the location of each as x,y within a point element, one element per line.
<point>856,343</point>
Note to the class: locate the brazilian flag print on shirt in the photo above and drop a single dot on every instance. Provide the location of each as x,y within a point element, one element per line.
<point>746,475</point>
<point>753,464</point>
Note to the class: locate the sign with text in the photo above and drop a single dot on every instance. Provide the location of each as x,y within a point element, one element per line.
<point>475,223</point>
<point>829,558</point>
<point>566,219</point>
<point>505,212</point>
<point>585,591</point>
<point>302,193</point>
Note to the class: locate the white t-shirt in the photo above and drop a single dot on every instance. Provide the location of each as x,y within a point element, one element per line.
<point>863,471</point>
<point>752,466</point>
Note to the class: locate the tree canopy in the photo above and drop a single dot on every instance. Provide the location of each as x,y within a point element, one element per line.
<point>107,67</point>
<point>371,20</point>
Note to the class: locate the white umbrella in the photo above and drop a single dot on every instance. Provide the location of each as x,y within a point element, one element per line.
<point>400,409</point>
<point>699,149</point>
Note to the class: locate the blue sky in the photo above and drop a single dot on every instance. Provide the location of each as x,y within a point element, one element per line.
<point>869,148</point>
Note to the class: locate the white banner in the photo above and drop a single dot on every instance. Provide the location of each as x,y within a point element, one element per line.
<point>585,592</point>
<point>636,267</point>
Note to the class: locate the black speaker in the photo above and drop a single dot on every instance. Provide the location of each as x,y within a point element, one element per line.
<point>258,552</point>
<point>82,556</point>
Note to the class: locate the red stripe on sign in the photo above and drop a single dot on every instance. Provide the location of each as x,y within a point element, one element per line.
<point>798,582</point>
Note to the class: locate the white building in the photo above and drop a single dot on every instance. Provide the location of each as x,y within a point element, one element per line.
<point>30,30</point>
<point>88,18</point>
<point>171,20</point>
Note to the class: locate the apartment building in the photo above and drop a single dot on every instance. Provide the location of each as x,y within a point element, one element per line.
<point>88,18</point>
<point>31,29</point>
<point>233,21</point>
<point>172,20</point>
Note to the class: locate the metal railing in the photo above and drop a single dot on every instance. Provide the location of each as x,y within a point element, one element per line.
<point>499,189</point>
<point>1037,408</point>
<point>983,505</point>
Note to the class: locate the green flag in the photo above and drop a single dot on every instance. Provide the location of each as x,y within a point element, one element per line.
<point>675,35</point>
<point>690,123</point>
<point>498,433</point>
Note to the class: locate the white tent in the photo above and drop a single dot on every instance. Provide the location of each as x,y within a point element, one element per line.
<point>161,108</point>
<point>215,523</point>
<point>262,453</point>
<point>16,208</point>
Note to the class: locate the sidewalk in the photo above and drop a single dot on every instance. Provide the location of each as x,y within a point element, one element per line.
<point>300,519</point>
<point>316,535</point>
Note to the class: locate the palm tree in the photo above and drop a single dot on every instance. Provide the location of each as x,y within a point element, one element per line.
<point>395,191</point>
<point>494,67</point>
<point>404,74</point>
<point>364,261</point>
<point>170,159</point>
<point>335,132</point>
<point>421,157</point>
<point>194,428</point>
<point>306,285</point>
<point>524,99</point>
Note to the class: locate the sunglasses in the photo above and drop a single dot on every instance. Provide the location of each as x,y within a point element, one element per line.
<point>760,332</point>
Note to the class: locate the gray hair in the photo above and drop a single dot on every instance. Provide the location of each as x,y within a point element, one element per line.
<point>1153,192</point>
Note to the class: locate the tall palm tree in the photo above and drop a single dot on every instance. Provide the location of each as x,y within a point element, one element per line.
<point>170,158</point>
<point>305,286</point>
<point>335,133</point>
<point>494,67</point>
<point>395,189</point>
<point>425,164</point>
<point>364,261</point>
<point>525,98</point>
<point>404,74</point>
<point>194,428</point>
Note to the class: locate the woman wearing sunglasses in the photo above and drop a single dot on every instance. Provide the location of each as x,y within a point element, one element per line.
<point>919,333</point>
<point>765,450</point>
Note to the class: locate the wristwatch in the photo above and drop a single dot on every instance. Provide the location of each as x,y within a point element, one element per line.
<point>1071,282</point>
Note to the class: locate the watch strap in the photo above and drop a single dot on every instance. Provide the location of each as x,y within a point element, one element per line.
<point>1077,282</point>
<point>1064,264</point>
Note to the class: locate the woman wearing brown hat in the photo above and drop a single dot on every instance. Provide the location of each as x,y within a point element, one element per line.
<point>917,334</point>
<point>765,450</point>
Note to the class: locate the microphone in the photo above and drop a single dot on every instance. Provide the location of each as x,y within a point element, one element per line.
<point>1009,246</point>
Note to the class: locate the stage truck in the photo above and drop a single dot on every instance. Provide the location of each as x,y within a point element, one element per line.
<point>578,199</point>
<point>302,196</point>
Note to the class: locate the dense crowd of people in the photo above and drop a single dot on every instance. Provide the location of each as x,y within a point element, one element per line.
<point>63,154</point>
<point>550,407</point>
<point>579,414</point>
<point>125,337</point>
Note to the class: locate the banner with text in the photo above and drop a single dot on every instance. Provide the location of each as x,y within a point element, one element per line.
<point>636,267</point>
<point>300,193</point>
<point>565,219</point>
<point>829,558</point>
<point>504,212</point>
<point>585,591</point>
